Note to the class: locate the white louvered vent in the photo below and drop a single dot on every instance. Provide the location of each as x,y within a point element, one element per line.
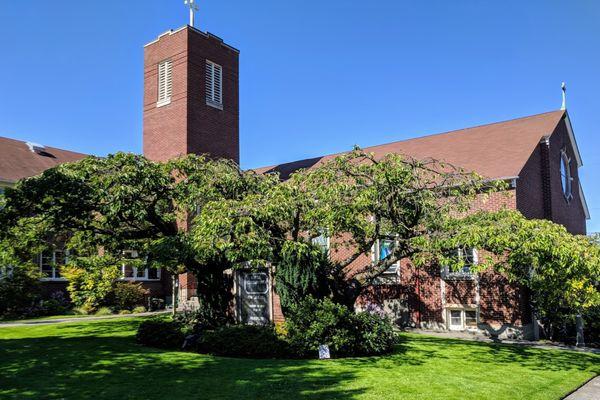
<point>214,84</point>
<point>165,82</point>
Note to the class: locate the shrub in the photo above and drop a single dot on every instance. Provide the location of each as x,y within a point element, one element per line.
<point>155,304</point>
<point>104,311</point>
<point>127,296</point>
<point>312,322</point>
<point>80,311</point>
<point>253,341</point>
<point>301,273</point>
<point>124,312</point>
<point>20,292</point>
<point>161,333</point>
<point>139,309</point>
<point>205,317</point>
<point>91,280</point>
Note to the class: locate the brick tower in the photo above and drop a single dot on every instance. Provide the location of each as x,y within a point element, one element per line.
<point>191,103</point>
<point>191,96</point>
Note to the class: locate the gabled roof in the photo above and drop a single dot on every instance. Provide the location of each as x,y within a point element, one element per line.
<point>495,151</point>
<point>19,160</point>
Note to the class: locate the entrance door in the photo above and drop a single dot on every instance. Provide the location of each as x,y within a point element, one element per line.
<point>253,297</point>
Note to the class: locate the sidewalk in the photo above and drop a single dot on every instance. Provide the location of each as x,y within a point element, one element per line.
<point>485,339</point>
<point>64,320</point>
<point>589,391</point>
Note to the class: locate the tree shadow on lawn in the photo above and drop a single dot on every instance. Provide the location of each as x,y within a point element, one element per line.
<point>522,355</point>
<point>116,367</point>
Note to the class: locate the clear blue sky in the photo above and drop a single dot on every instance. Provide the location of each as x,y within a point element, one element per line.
<point>316,76</point>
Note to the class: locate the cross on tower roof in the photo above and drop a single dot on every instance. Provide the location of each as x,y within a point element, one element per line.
<point>193,8</point>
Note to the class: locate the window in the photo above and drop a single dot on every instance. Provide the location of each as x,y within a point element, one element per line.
<point>461,319</point>
<point>383,250</point>
<point>214,84</point>
<point>565,175</point>
<point>321,241</point>
<point>50,263</point>
<point>133,273</point>
<point>469,257</point>
<point>165,83</point>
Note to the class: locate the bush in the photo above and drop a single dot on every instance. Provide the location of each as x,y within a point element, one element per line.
<point>155,304</point>
<point>161,333</point>
<point>312,322</point>
<point>91,281</point>
<point>127,296</point>
<point>104,311</point>
<point>139,309</point>
<point>253,341</point>
<point>20,292</point>
<point>124,312</point>
<point>301,273</point>
<point>205,317</point>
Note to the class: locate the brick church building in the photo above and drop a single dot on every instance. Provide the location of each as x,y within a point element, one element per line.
<point>191,105</point>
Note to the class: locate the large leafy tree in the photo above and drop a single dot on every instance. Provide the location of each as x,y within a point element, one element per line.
<point>124,202</point>
<point>355,199</point>
<point>561,270</point>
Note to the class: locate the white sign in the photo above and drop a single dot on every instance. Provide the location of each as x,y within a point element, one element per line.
<point>324,352</point>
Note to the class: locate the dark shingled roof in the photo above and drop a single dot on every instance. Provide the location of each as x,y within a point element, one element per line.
<point>498,150</point>
<point>17,161</point>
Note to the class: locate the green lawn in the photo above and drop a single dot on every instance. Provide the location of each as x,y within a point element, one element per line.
<point>99,359</point>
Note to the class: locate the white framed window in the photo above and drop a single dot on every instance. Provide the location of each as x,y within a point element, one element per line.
<point>165,82</point>
<point>214,84</point>
<point>470,258</point>
<point>50,262</point>
<point>383,250</point>
<point>566,176</point>
<point>460,319</point>
<point>130,272</point>
<point>322,241</point>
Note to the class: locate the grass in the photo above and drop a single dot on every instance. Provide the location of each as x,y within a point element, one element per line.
<point>99,359</point>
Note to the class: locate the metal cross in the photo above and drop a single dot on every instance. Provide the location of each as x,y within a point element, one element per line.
<point>193,8</point>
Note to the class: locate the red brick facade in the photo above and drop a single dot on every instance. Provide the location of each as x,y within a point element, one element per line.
<point>420,297</point>
<point>188,124</point>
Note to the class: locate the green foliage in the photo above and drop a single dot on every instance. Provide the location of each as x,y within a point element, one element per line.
<point>562,270</point>
<point>20,292</point>
<point>127,296</point>
<point>91,281</point>
<point>356,198</point>
<point>161,333</point>
<point>301,272</point>
<point>251,341</point>
<point>103,311</point>
<point>139,309</point>
<point>313,322</point>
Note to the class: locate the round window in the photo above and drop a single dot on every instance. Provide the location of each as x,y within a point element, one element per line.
<point>565,173</point>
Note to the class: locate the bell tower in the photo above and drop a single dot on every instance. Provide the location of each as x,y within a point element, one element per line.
<point>191,96</point>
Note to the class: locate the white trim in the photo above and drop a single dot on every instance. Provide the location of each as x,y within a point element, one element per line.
<point>463,309</point>
<point>54,267</point>
<point>573,141</point>
<point>586,210</point>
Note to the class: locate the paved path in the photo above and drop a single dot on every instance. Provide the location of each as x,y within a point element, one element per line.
<point>63,320</point>
<point>589,391</point>
<point>485,339</point>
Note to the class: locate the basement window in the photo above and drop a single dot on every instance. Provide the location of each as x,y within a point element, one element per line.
<point>461,319</point>
<point>165,83</point>
<point>214,85</point>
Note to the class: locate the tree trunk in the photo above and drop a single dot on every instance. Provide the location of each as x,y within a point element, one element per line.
<point>579,326</point>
